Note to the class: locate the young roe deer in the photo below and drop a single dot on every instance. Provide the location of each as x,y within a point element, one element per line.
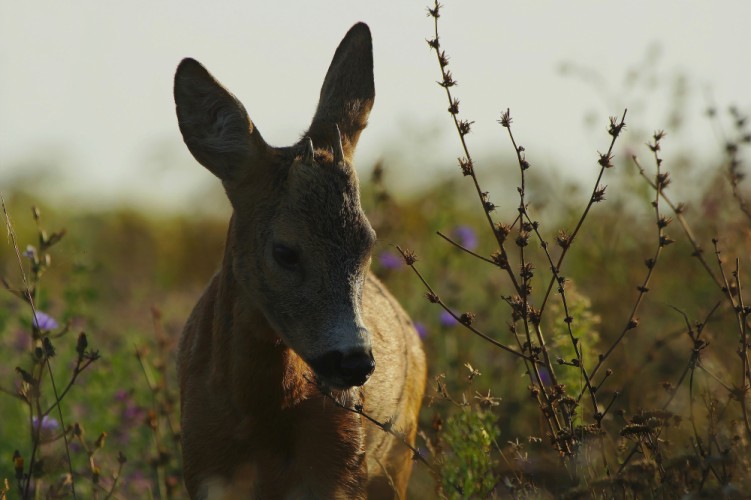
<point>294,302</point>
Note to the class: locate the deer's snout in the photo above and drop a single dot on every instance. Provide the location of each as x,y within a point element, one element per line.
<point>356,367</point>
<point>345,370</point>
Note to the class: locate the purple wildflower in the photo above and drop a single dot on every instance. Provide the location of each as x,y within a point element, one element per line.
<point>422,332</point>
<point>390,260</point>
<point>48,423</point>
<point>30,252</point>
<point>447,319</point>
<point>44,321</point>
<point>48,427</point>
<point>131,414</point>
<point>466,236</point>
<point>545,377</point>
<point>121,395</point>
<point>130,411</point>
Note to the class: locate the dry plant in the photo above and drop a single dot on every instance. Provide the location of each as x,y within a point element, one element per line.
<point>593,455</point>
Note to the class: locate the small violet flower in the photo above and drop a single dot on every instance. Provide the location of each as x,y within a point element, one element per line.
<point>390,260</point>
<point>466,236</point>
<point>48,427</point>
<point>422,332</point>
<point>545,377</point>
<point>447,319</point>
<point>130,413</point>
<point>121,395</point>
<point>30,252</point>
<point>44,321</point>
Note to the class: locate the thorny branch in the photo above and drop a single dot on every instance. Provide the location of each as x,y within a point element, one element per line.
<point>463,128</point>
<point>661,182</point>
<point>464,319</point>
<point>742,313</point>
<point>605,161</point>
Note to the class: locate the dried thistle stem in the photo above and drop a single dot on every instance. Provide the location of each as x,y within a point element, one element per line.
<point>740,393</point>
<point>465,249</point>
<point>616,127</point>
<point>679,216</point>
<point>446,308</point>
<point>462,128</point>
<point>662,241</point>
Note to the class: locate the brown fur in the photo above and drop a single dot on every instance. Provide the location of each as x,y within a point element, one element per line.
<point>253,426</point>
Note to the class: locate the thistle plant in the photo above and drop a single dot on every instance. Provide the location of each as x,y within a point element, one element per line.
<point>603,447</point>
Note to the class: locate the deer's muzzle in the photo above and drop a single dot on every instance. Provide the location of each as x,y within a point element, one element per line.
<point>344,370</point>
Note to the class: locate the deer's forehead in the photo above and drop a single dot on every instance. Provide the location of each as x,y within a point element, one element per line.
<point>325,201</point>
<point>323,190</point>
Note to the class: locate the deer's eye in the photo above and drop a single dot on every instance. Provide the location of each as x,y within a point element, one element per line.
<point>285,256</point>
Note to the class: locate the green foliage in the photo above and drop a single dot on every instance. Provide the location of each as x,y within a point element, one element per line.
<point>584,327</point>
<point>467,462</point>
<point>114,435</point>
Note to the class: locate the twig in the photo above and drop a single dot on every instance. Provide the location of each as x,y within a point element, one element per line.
<point>409,259</point>
<point>615,129</point>
<point>678,211</point>
<point>465,249</point>
<point>463,128</point>
<point>79,368</point>
<point>661,181</point>
<point>741,313</point>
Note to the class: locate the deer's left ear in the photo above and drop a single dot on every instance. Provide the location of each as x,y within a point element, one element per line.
<point>347,94</point>
<point>214,124</point>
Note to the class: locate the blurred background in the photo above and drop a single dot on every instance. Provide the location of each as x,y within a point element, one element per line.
<point>89,136</point>
<point>86,109</point>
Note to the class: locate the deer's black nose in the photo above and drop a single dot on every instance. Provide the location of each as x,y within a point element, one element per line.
<point>356,367</point>
<point>344,370</point>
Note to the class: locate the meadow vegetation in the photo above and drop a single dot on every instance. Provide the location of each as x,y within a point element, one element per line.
<point>592,346</point>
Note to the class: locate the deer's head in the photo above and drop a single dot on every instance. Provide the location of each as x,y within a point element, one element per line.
<point>300,241</point>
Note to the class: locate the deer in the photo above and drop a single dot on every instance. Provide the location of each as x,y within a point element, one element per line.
<point>294,321</point>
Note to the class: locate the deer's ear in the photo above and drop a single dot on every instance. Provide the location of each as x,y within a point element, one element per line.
<point>347,94</point>
<point>214,124</point>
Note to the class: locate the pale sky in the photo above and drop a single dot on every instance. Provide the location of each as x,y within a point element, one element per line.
<point>86,86</point>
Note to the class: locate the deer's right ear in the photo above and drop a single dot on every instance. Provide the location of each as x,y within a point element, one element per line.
<point>214,124</point>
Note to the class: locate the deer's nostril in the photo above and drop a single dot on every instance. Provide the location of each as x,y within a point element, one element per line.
<point>356,367</point>
<point>352,369</point>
